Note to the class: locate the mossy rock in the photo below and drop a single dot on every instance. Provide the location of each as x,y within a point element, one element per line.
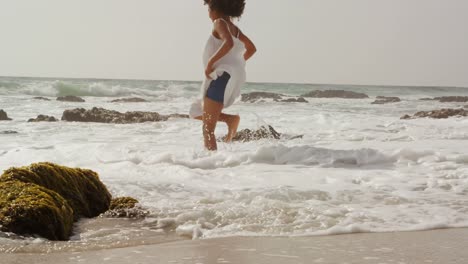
<point>125,207</point>
<point>123,203</point>
<point>27,209</point>
<point>45,199</point>
<point>86,194</point>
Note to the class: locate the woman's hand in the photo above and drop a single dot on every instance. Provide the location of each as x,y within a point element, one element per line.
<point>209,70</point>
<point>250,48</point>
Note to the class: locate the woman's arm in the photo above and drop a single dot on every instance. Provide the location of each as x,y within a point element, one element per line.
<point>222,30</point>
<point>249,46</point>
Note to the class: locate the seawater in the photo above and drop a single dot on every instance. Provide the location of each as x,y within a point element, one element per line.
<point>358,167</point>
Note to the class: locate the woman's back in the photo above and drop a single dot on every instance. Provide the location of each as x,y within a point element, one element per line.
<point>234,58</point>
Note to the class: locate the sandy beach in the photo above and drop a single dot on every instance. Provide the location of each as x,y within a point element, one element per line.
<point>234,131</point>
<point>437,246</point>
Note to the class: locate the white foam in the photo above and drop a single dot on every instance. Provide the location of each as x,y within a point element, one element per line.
<point>359,168</point>
<point>276,155</point>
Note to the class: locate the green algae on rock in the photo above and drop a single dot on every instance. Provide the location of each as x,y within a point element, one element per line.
<point>27,209</point>
<point>125,207</point>
<point>46,199</point>
<point>83,190</point>
<point>123,203</point>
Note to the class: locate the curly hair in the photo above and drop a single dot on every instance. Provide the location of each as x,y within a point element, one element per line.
<point>232,8</point>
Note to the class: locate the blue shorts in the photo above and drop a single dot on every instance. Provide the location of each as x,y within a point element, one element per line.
<point>217,88</point>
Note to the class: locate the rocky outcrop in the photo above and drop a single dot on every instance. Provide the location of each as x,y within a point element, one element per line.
<point>8,132</point>
<point>45,199</point>
<point>265,132</point>
<point>129,100</point>
<point>294,100</point>
<point>335,94</point>
<point>452,99</point>
<point>70,98</point>
<point>3,115</point>
<point>438,114</point>
<point>87,195</point>
<point>125,207</point>
<point>448,99</point>
<point>41,98</point>
<point>261,96</point>
<point>101,115</point>
<point>27,209</point>
<point>123,203</point>
<point>386,100</point>
<point>256,96</point>
<point>43,118</point>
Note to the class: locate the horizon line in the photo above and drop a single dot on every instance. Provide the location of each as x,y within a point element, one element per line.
<point>159,80</point>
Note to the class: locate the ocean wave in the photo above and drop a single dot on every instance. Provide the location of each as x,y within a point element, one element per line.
<point>278,155</point>
<point>99,89</point>
<point>290,211</point>
<point>8,85</point>
<point>93,89</point>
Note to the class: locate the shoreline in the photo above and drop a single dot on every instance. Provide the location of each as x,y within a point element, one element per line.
<point>433,246</point>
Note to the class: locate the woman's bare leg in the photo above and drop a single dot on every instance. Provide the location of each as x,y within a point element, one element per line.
<point>211,113</point>
<point>232,121</point>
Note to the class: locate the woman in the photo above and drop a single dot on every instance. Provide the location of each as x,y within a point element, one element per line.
<point>226,52</point>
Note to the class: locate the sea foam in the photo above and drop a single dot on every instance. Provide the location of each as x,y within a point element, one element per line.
<point>358,167</point>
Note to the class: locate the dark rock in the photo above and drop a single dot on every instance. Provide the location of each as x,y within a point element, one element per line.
<point>455,99</point>
<point>178,116</point>
<point>101,115</point>
<point>41,98</point>
<point>129,100</point>
<point>3,115</point>
<point>8,132</point>
<point>70,98</point>
<point>295,100</point>
<point>335,94</point>
<point>386,100</point>
<point>438,114</point>
<point>255,96</point>
<point>45,199</point>
<point>264,132</point>
<point>43,118</point>
<point>448,99</point>
<point>466,106</point>
<point>125,207</point>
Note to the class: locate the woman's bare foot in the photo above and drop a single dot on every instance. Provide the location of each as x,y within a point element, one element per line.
<point>232,121</point>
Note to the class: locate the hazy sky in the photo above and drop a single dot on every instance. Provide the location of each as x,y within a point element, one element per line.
<point>401,42</point>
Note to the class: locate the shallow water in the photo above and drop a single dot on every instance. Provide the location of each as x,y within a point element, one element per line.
<point>358,168</point>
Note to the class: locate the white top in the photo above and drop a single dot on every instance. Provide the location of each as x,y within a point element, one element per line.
<point>233,63</point>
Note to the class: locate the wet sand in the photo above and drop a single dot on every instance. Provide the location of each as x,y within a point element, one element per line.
<point>437,246</point>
